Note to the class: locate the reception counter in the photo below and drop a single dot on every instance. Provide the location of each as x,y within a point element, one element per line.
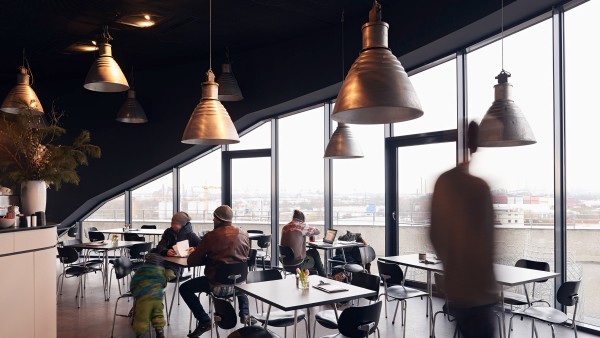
<point>28,283</point>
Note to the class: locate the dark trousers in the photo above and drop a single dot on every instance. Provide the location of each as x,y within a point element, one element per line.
<point>475,322</point>
<point>318,264</point>
<point>188,292</point>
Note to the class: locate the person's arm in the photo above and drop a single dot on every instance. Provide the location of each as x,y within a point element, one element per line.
<point>163,246</point>
<point>197,256</point>
<point>193,239</point>
<point>310,231</point>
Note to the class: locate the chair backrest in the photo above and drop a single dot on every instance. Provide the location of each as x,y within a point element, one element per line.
<point>392,270</point>
<point>367,281</point>
<point>354,317</point>
<point>263,242</point>
<point>87,231</point>
<point>226,273</point>
<point>224,314</point>
<point>255,232</point>
<point>568,292</point>
<point>251,258</point>
<point>67,255</point>
<point>148,226</point>
<point>72,232</point>
<point>534,265</point>
<point>367,254</point>
<point>439,283</point>
<point>133,237</point>
<point>137,251</point>
<point>263,276</point>
<point>96,236</point>
<point>123,267</point>
<point>286,255</point>
<point>68,242</point>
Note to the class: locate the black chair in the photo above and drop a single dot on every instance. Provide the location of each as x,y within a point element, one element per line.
<point>133,237</point>
<point>138,252</point>
<point>148,226</point>
<point>329,318</point>
<point>517,299</point>
<point>72,232</point>
<point>225,318</point>
<point>367,255</point>
<point>567,295</point>
<point>286,257</point>
<point>95,236</point>
<point>358,321</point>
<point>394,289</point>
<point>69,258</point>
<point>122,267</point>
<point>88,230</point>
<point>446,309</point>
<point>255,232</point>
<point>252,259</point>
<point>276,318</point>
<point>263,242</point>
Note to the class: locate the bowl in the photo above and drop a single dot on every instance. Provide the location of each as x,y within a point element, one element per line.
<point>6,222</point>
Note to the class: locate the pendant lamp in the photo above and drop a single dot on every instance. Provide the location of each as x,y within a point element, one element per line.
<point>504,125</point>
<point>105,75</point>
<point>210,123</point>
<point>342,144</point>
<point>377,90</point>
<point>22,98</point>
<point>229,90</point>
<point>131,111</point>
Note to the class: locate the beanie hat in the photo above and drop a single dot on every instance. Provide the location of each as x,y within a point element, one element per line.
<point>224,213</point>
<point>181,218</point>
<point>299,215</point>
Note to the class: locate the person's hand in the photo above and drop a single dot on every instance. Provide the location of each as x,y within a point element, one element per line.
<point>171,253</point>
<point>190,250</point>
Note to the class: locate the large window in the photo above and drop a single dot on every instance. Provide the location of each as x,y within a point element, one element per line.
<point>583,186</point>
<point>200,189</point>
<point>521,178</point>
<point>258,138</point>
<point>152,203</point>
<point>251,193</point>
<point>109,216</point>
<point>359,189</point>
<point>301,166</point>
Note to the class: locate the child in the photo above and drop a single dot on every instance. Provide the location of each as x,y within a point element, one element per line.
<point>147,287</point>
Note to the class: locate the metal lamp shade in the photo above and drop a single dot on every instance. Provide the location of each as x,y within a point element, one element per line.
<point>210,123</point>
<point>343,144</point>
<point>229,90</point>
<point>504,125</point>
<point>22,98</point>
<point>131,111</point>
<point>105,75</point>
<point>377,89</point>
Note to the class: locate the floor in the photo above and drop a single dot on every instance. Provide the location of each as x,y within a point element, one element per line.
<point>94,318</point>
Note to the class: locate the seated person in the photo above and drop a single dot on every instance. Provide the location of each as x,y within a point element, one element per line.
<point>180,230</point>
<point>294,235</point>
<point>147,287</point>
<point>352,254</point>
<point>226,244</point>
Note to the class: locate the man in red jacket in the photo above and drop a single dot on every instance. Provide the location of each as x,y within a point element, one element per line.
<point>226,244</point>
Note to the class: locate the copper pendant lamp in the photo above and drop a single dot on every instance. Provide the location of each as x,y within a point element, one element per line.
<point>504,125</point>
<point>342,144</point>
<point>131,111</point>
<point>210,123</point>
<point>22,98</point>
<point>377,90</point>
<point>229,89</point>
<point>105,75</point>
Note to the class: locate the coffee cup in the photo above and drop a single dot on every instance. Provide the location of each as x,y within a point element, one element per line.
<point>422,256</point>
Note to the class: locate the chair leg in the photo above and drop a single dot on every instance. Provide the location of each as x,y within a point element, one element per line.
<point>532,327</point>
<point>510,327</point>
<point>553,334</point>
<point>404,317</point>
<point>80,292</point>
<point>395,312</point>
<point>112,333</point>
<point>167,309</point>
<point>59,285</point>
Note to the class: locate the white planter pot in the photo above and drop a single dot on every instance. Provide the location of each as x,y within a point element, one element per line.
<point>33,197</point>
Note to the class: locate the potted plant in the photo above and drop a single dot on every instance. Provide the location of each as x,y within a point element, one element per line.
<point>32,157</point>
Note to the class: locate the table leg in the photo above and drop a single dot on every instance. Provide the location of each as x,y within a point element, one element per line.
<point>105,275</point>
<point>429,305</point>
<point>503,329</point>
<point>295,322</point>
<point>308,322</point>
<point>267,319</point>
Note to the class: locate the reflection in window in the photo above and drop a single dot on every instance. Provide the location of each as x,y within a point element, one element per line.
<point>109,216</point>
<point>521,178</point>
<point>200,189</point>
<point>258,138</point>
<point>152,203</point>
<point>583,186</point>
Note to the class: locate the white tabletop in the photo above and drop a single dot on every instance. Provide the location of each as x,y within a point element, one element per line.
<point>120,231</point>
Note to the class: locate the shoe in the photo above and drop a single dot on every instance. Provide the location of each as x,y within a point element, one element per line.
<point>202,328</point>
<point>247,320</point>
<point>160,333</point>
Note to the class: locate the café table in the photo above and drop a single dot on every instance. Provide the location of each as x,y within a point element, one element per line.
<point>506,276</point>
<point>326,247</point>
<point>284,295</point>
<point>149,232</point>
<point>104,247</point>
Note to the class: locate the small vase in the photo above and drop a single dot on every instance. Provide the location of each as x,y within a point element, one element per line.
<point>304,283</point>
<point>33,197</point>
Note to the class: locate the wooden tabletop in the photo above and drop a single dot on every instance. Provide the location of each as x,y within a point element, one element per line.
<point>337,245</point>
<point>284,295</point>
<point>155,232</point>
<point>106,245</point>
<point>505,274</point>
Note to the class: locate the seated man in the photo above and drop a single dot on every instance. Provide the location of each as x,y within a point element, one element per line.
<point>180,230</point>
<point>352,254</point>
<point>294,235</point>
<point>226,244</point>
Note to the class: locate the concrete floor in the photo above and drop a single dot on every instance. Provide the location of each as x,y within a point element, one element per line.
<point>94,318</point>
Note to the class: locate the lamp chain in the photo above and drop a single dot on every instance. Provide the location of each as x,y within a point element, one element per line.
<point>343,52</point>
<point>502,31</point>
<point>210,35</point>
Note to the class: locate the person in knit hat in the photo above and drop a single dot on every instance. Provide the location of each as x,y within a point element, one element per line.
<point>180,230</point>
<point>294,235</point>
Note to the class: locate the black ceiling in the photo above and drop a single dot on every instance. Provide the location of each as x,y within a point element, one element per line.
<point>46,27</point>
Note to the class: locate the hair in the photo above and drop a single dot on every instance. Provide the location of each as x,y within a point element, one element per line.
<point>472,136</point>
<point>299,215</point>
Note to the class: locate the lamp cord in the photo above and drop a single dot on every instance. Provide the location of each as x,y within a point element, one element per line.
<point>343,52</point>
<point>502,31</point>
<point>25,64</point>
<point>210,35</point>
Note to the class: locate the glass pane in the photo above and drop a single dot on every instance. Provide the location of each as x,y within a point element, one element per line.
<point>109,216</point>
<point>418,169</point>
<point>259,138</point>
<point>152,203</point>
<point>436,88</point>
<point>251,193</point>
<point>301,166</point>
<point>583,186</point>
<point>521,178</point>
<point>200,189</point>
<point>359,189</point>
